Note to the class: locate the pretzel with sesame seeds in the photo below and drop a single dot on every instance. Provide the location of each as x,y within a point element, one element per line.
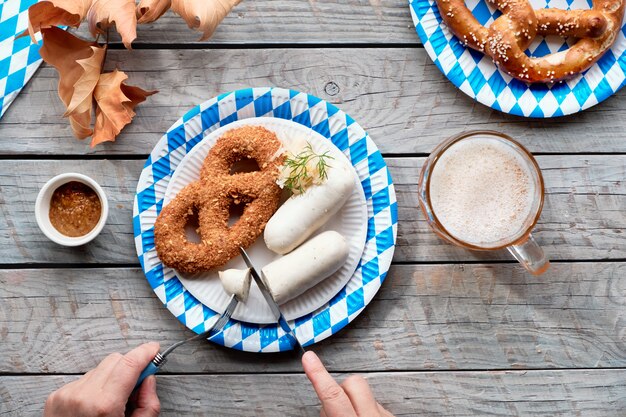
<point>510,35</point>
<point>211,197</point>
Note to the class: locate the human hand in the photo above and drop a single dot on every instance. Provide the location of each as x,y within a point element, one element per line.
<point>353,398</point>
<point>105,390</point>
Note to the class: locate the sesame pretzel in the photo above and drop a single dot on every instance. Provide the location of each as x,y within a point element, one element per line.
<point>211,198</point>
<point>510,34</point>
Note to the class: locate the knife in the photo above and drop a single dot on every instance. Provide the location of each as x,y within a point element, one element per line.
<point>160,358</point>
<point>270,301</point>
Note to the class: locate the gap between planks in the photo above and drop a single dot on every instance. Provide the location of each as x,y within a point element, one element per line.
<point>135,157</point>
<point>36,266</point>
<point>238,46</point>
<point>343,372</point>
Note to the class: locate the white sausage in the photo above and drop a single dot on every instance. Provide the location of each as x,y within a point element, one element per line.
<point>237,282</point>
<point>302,214</point>
<point>308,265</point>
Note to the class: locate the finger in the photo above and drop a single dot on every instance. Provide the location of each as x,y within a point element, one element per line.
<point>334,400</point>
<point>147,404</point>
<point>383,411</point>
<point>322,412</point>
<point>360,394</point>
<point>100,374</point>
<point>124,376</point>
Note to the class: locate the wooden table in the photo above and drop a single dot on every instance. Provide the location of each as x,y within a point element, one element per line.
<point>451,332</point>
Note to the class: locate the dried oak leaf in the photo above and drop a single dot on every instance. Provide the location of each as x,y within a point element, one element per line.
<point>50,13</point>
<point>79,63</point>
<point>115,105</point>
<point>203,15</point>
<point>103,13</point>
<point>150,10</point>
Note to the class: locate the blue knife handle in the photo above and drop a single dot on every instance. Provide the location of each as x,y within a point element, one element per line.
<point>151,369</point>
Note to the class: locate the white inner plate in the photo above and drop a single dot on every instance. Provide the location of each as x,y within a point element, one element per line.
<point>350,221</point>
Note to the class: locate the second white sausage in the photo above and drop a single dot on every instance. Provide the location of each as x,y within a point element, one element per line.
<point>308,265</point>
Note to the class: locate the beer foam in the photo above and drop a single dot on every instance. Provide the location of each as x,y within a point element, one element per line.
<point>482,191</point>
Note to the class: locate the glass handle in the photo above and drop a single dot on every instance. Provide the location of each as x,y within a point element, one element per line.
<point>530,255</point>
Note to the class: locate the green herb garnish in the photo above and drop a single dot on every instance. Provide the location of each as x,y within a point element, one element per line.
<point>299,169</point>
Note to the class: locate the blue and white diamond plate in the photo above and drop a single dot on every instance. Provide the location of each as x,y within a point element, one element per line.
<point>19,58</point>
<point>477,76</point>
<point>331,123</point>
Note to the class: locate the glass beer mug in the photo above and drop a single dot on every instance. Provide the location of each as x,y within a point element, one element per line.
<point>482,190</point>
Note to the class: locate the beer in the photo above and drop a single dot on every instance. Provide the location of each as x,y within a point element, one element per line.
<point>482,191</point>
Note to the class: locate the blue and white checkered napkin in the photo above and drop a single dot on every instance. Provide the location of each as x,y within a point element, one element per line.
<point>19,58</point>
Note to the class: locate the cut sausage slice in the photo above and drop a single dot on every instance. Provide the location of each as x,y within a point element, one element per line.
<point>237,282</point>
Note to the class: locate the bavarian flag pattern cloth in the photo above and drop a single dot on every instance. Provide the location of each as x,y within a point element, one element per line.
<point>19,58</point>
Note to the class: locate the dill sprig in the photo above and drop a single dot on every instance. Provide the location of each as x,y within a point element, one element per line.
<point>299,176</point>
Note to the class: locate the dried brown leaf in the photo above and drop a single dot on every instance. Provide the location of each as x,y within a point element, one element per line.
<point>116,102</point>
<point>52,13</point>
<point>150,10</point>
<point>83,88</point>
<point>79,63</point>
<point>203,15</point>
<point>103,13</point>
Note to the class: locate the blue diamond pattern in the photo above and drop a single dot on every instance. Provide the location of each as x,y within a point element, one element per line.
<point>477,80</point>
<point>323,128</point>
<point>358,151</point>
<point>582,91</point>
<point>263,104</point>
<point>602,88</point>
<point>542,50</point>
<point>18,66</point>
<point>537,112</point>
<point>349,136</point>
<point>482,13</point>
<point>175,138</point>
<point>161,168</point>
<point>303,118</point>
<point>356,301</point>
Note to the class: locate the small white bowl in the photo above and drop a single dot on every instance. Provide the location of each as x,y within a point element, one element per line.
<point>42,209</point>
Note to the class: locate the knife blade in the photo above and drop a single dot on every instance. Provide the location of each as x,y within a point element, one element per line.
<point>270,301</point>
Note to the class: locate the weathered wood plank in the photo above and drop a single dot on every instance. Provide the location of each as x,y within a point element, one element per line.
<point>424,317</point>
<point>455,394</point>
<point>293,21</point>
<point>397,94</point>
<point>583,216</point>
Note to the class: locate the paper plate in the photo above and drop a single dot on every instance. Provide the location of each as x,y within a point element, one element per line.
<point>477,76</point>
<point>350,221</point>
<point>331,123</point>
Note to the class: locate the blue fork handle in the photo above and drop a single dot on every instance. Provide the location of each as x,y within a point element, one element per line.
<point>151,369</point>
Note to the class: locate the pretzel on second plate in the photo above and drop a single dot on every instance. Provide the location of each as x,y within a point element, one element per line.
<point>510,34</point>
<point>211,198</point>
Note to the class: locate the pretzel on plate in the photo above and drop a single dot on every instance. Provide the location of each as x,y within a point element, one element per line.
<point>211,198</point>
<point>510,34</point>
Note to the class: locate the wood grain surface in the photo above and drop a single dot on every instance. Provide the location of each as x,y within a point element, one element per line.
<point>396,94</point>
<point>455,394</point>
<point>583,216</point>
<point>450,333</point>
<point>425,317</point>
<point>290,22</point>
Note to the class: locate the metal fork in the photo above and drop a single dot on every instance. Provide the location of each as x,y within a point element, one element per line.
<point>160,358</point>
